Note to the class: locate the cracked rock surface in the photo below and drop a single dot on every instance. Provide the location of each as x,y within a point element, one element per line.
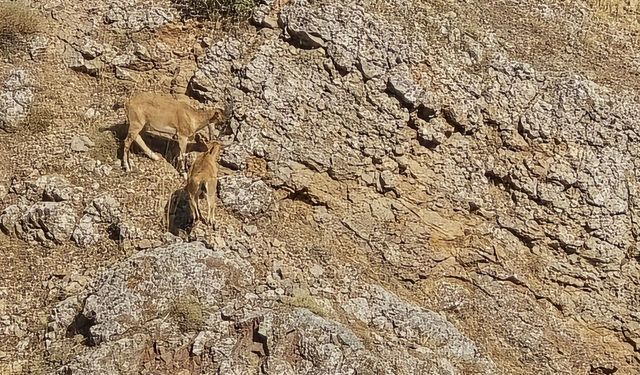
<point>200,302</point>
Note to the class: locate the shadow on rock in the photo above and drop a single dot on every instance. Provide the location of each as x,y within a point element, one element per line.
<point>178,215</point>
<point>166,147</point>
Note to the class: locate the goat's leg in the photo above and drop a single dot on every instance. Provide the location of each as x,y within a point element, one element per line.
<point>125,153</point>
<point>135,126</point>
<point>211,201</point>
<point>193,205</point>
<point>212,128</point>
<point>182,158</point>
<point>152,155</point>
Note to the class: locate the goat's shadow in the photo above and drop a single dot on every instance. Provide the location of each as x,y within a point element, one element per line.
<point>157,143</point>
<point>178,215</point>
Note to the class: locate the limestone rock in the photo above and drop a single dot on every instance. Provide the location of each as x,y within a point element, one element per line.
<point>48,223</point>
<point>16,98</point>
<point>245,196</point>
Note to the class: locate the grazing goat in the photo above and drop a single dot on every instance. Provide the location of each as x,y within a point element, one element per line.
<point>203,178</point>
<point>167,116</point>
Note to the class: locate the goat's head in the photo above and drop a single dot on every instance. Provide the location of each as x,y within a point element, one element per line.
<point>215,116</point>
<point>214,148</point>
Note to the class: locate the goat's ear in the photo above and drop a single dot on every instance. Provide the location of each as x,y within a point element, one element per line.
<point>215,115</point>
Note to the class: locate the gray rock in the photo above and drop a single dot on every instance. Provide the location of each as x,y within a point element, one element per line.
<point>387,180</point>
<point>188,282</point>
<point>38,46</point>
<point>4,191</point>
<point>123,74</point>
<point>47,222</point>
<point>10,217</point>
<point>78,145</point>
<point>187,296</point>
<point>104,209</point>
<point>251,230</point>
<point>316,270</point>
<point>432,133</point>
<point>424,327</point>
<point>245,196</point>
<point>234,156</point>
<point>126,230</point>
<point>74,60</point>
<point>16,98</point>
<point>407,91</point>
<point>86,233</point>
<point>131,16</point>
<point>54,188</point>
<point>182,268</point>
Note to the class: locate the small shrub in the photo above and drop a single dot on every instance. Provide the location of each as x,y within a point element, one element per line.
<point>212,9</point>
<point>618,7</point>
<point>17,21</point>
<point>188,313</point>
<point>307,302</point>
<point>39,119</point>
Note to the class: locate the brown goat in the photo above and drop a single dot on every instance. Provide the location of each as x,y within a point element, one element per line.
<point>203,178</point>
<point>167,116</point>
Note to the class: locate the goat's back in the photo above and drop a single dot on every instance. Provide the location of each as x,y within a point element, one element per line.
<point>156,108</point>
<point>204,168</point>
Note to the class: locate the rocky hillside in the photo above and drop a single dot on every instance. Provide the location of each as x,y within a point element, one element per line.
<point>415,187</point>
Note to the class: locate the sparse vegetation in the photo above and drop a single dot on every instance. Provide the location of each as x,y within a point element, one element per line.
<point>39,119</point>
<point>188,313</point>
<point>17,20</point>
<point>307,302</point>
<point>213,9</point>
<point>618,7</point>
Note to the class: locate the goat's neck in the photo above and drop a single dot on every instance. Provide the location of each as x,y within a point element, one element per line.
<point>201,119</point>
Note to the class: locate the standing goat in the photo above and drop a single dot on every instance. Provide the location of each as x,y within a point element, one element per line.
<point>169,117</point>
<point>203,178</point>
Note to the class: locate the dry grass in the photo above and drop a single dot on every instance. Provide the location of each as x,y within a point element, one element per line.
<point>618,7</point>
<point>106,146</point>
<point>17,20</point>
<point>39,119</point>
<point>307,302</point>
<point>212,9</point>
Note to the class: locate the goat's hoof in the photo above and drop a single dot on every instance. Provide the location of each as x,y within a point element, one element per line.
<point>155,156</point>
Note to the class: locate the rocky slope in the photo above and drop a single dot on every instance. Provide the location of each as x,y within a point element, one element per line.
<point>406,190</point>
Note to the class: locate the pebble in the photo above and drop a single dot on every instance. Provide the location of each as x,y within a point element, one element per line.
<point>90,113</point>
<point>251,229</point>
<point>144,244</point>
<point>316,270</point>
<point>77,145</point>
<point>87,141</point>
<point>81,143</point>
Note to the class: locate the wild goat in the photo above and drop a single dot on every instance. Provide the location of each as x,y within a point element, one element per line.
<point>167,116</point>
<point>203,178</point>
